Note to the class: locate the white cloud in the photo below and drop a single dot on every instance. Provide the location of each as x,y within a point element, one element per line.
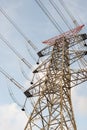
<point>11,118</point>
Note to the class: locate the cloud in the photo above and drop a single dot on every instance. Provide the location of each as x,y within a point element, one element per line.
<point>11,118</point>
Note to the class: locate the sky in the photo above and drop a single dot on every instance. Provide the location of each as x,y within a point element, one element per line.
<point>37,27</point>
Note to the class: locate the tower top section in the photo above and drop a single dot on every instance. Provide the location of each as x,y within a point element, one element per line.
<point>67,34</point>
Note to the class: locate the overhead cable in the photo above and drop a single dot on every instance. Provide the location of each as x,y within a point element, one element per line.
<point>18,29</point>
<point>60,13</point>
<point>24,73</point>
<point>69,13</point>
<point>13,97</point>
<point>47,13</point>
<point>12,79</point>
<point>16,52</point>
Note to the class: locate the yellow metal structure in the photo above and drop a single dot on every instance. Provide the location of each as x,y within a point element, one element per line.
<point>52,109</point>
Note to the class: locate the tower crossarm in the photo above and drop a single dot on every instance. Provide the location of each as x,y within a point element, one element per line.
<point>78,77</point>
<point>77,55</point>
<point>36,89</point>
<point>43,66</point>
<point>73,40</point>
<point>46,51</point>
<point>73,57</point>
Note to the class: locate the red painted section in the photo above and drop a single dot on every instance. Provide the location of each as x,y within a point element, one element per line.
<point>66,34</point>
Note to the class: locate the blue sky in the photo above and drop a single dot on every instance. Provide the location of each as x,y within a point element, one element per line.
<point>37,27</point>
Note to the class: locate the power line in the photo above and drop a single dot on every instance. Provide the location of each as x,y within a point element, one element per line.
<point>16,52</point>
<point>60,13</point>
<point>69,13</point>
<point>24,73</point>
<point>12,79</point>
<point>22,34</point>
<point>47,13</point>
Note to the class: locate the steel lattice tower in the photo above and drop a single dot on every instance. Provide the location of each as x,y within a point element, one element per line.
<point>53,79</point>
<point>53,106</point>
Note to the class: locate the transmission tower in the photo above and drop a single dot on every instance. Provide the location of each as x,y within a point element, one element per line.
<point>55,76</point>
<point>52,105</point>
